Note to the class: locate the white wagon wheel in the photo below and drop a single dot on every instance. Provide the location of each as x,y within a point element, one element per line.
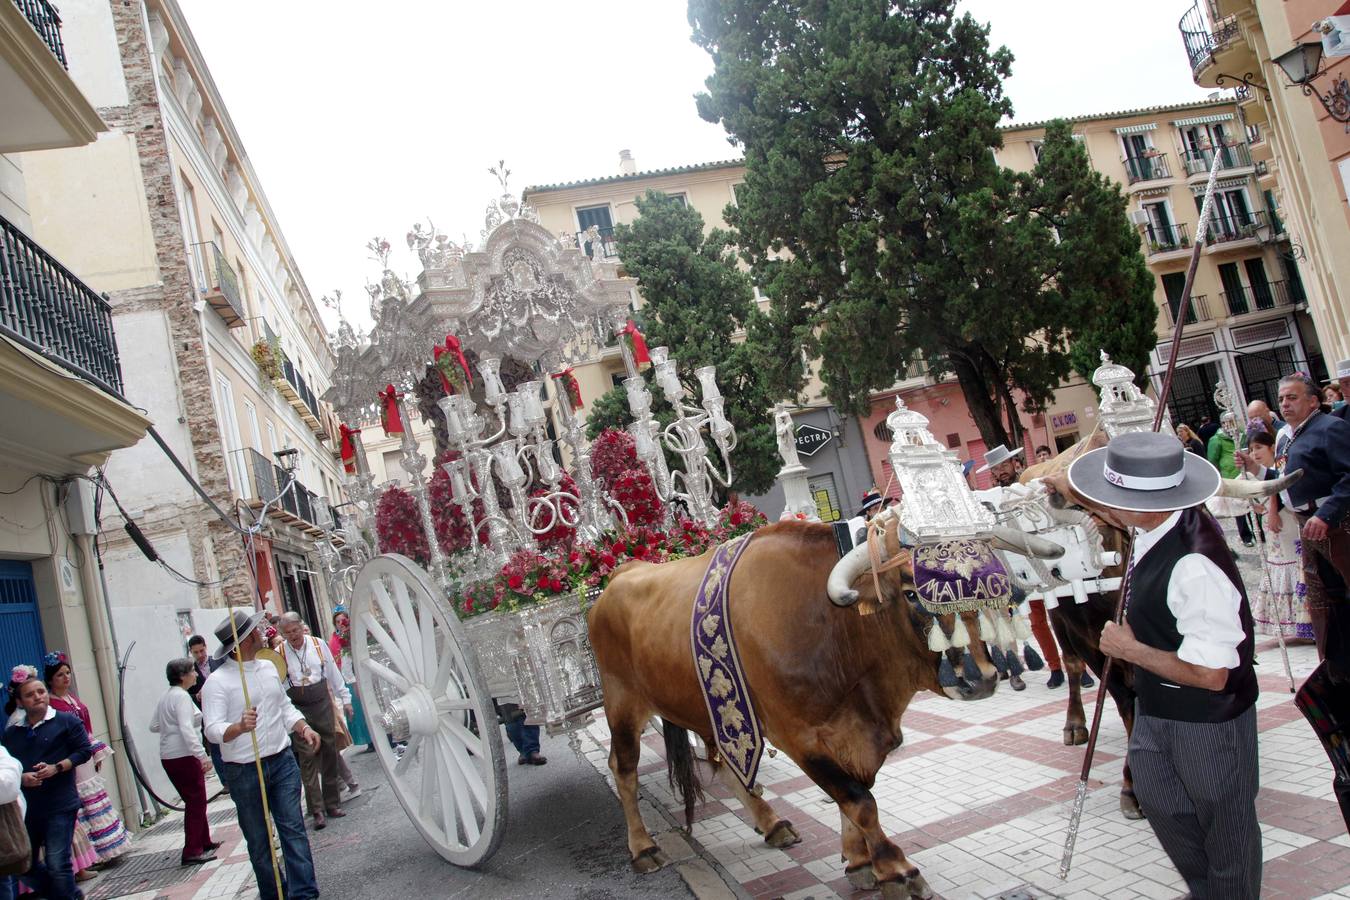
<point>420,682</point>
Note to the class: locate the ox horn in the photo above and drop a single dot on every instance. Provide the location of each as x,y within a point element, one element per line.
<point>1016,541</point>
<point>1245,489</point>
<point>845,572</point>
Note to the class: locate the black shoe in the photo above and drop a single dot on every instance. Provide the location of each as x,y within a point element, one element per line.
<point>1087,681</point>
<point>534,759</point>
<point>1016,683</point>
<point>1056,679</point>
<point>198,860</point>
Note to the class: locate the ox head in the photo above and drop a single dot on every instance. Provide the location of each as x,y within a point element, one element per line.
<point>852,582</point>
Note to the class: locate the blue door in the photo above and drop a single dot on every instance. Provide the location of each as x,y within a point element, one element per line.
<point>20,625</point>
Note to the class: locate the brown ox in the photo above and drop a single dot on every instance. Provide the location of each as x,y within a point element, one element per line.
<point>829,685</point>
<point>1078,626</point>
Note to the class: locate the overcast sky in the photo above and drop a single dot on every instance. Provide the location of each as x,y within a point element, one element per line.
<point>362,118</point>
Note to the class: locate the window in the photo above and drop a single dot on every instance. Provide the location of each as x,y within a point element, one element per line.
<point>680,196</point>
<point>1233,291</point>
<point>1159,229</point>
<point>595,215</point>
<point>1260,285</point>
<point>229,432</point>
<point>251,417</point>
<point>1036,148</point>
<point>1173,284</point>
<point>272,446</point>
<point>187,209</point>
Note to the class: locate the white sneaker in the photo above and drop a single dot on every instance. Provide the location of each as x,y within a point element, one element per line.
<point>351,792</point>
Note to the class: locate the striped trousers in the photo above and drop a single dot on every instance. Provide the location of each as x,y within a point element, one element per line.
<point>1197,783</point>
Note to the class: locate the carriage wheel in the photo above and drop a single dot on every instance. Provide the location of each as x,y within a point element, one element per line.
<point>420,683</point>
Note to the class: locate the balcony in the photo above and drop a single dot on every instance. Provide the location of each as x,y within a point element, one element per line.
<point>40,104</point>
<point>1236,232</point>
<point>1161,241</point>
<point>1198,311</point>
<point>300,506</point>
<point>1146,168</point>
<point>606,244</point>
<point>1272,295</point>
<point>293,387</point>
<point>1231,156</point>
<point>220,286</point>
<point>1206,45</point>
<point>60,375</point>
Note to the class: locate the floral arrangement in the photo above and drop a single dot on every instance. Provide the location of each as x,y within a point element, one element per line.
<point>267,358</point>
<point>398,527</point>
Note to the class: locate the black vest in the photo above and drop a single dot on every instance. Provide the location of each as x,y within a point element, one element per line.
<point>1154,625</point>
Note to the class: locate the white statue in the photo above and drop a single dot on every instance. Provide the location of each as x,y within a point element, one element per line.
<point>787,438</point>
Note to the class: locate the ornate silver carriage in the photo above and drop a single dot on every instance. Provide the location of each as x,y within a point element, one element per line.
<point>527,303</point>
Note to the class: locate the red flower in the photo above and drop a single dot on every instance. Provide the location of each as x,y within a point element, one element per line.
<point>515,582</point>
<point>541,582</point>
<point>555,585</point>
<point>607,559</point>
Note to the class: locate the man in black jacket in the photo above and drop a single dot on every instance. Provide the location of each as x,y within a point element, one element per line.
<point>1343,382</point>
<point>1188,633</point>
<point>1320,446</point>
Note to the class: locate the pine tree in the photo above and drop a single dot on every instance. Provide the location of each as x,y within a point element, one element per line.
<point>878,221</point>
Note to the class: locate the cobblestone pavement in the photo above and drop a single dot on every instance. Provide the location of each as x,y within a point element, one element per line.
<point>979,798</point>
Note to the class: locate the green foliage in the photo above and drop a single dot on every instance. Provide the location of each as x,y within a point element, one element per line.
<point>868,129</point>
<point>697,303</point>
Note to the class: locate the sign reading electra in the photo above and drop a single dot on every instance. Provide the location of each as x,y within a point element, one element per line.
<point>810,439</point>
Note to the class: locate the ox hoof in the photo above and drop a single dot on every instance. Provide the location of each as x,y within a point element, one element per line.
<point>1075,735</point>
<point>649,861</point>
<point>905,888</point>
<point>862,878</point>
<point>918,887</point>
<point>1129,807</point>
<point>782,835</point>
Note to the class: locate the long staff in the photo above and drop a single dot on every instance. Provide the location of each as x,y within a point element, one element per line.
<point>1183,309</point>
<point>257,761</point>
<point>1269,592</point>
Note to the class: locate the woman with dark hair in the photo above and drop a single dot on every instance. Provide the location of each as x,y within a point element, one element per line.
<point>340,643</point>
<point>178,722</point>
<point>97,817</point>
<point>1282,601</point>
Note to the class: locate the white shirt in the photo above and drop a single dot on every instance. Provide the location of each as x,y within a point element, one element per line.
<point>318,659</point>
<point>223,705</point>
<point>1204,602</point>
<point>11,780</point>
<point>178,723</point>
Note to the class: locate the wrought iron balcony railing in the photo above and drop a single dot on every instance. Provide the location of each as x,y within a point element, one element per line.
<point>1271,295</point>
<point>265,478</point>
<point>1165,239</point>
<point>1231,156</point>
<point>1146,168</point>
<point>47,23</point>
<point>1200,40</point>
<point>220,285</point>
<point>1197,312</point>
<point>1248,226</point>
<point>608,247</point>
<point>50,311</point>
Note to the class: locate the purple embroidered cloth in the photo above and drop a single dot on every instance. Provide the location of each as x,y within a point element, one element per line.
<point>735,726</point>
<point>960,576</point>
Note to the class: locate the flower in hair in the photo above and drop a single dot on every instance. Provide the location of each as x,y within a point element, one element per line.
<point>56,658</point>
<point>20,674</point>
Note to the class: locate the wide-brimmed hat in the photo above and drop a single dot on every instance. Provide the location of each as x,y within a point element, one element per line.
<point>1343,369</point>
<point>997,457</point>
<point>1144,472</point>
<point>870,499</point>
<point>240,623</point>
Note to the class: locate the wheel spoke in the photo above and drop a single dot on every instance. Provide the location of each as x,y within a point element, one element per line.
<point>465,765</point>
<point>466,738</point>
<point>387,675</point>
<point>426,622</point>
<point>444,668</point>
<point>461,790</point>
<point>426,803</point>
<point>401,627</point>
<point>401,767</point>
<point>387,644</point>
<point>454,704</point>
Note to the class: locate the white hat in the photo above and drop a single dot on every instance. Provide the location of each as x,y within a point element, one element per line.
<point>997,457</point>
<point>1343,369</point>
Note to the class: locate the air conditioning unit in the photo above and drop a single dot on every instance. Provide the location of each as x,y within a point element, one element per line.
<point>1335,31</point>
<point>1139,216</point>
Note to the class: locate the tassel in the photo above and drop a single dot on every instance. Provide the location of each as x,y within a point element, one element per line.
<point>1014,665</point>
<point>960,637</point>
<point>1005,632</point>
<point>1021,627</point>
<point>988,631</point>
<point>937,638</point>
<point>969,670</point>
<point>1034,661</point>
<point>998,659</point>
<point>946,674</point>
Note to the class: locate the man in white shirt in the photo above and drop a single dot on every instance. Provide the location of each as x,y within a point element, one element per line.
<point>11,775</point>
<point>1188,633</point>
<point>271,718</point>
<point>313,681</point>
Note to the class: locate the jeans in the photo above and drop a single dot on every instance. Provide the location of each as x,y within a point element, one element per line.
<point>282,776</point>
<point>524,737</point>
<point>6,887</point>
<point>217,762</point>
<point>53,876</point>
<point>1244,527</point>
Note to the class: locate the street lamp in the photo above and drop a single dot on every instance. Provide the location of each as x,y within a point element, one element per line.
<point>1301,64</point>
<point>288,459</point>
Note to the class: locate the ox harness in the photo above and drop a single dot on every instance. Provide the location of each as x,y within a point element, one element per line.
<point>740,742</point>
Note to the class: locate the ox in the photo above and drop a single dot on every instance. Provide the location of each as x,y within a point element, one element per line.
<point>829,685</point>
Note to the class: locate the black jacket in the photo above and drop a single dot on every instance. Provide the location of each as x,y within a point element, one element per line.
<point>1322,450</point>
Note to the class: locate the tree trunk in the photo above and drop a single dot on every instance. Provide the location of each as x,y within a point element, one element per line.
<point>1015,429</point>
<point>984,408</point>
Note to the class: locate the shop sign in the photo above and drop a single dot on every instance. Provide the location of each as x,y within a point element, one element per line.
<point>1063,421</point>
<point>810,439</point>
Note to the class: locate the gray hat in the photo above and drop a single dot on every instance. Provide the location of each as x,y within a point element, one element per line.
<point>240,624</point>
<point>997,457</point>
<point>1343,369</point>
<point>1144,472</point>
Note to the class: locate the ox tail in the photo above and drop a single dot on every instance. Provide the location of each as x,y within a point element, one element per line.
<point>680,769</point>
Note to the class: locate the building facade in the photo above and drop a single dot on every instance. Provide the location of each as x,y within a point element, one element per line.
<point>222,343</point>
<point>1248,322</point>
<point>63,397</point>
<point>1303,161</point>
<point>837,464</point>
